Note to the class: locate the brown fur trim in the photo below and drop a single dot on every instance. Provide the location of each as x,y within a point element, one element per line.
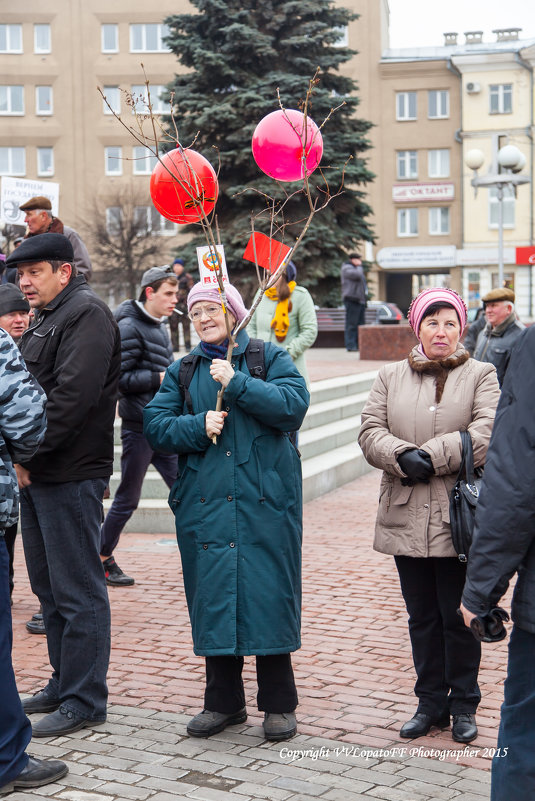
<point>440,369</point>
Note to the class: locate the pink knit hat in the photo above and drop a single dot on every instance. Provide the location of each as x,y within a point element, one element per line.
<point>431,296</point>
<point>212,294</point>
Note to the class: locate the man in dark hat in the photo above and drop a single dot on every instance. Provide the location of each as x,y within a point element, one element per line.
<point>495,342</point>
<point>354,298</point>
<point>73,349</point>
<point>40,220</point>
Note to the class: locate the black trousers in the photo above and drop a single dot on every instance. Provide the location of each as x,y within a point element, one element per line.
<point>446,654</point>
<point>10,536</point>
<point>224,686</point>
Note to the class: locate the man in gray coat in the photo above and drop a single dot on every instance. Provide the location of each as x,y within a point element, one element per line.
<point>495,342</point>
<point>354,296</point>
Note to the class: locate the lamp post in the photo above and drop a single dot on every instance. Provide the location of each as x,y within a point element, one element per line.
<point>512,162</point>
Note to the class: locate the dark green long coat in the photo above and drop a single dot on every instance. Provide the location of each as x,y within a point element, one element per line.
<point>237,504</point>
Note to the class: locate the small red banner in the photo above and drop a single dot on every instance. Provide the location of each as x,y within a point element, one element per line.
<point>269,252</point>
<point>525,255</point>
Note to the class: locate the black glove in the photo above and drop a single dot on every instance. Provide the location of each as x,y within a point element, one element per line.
<point>418,466</point>
<point>489,627</point>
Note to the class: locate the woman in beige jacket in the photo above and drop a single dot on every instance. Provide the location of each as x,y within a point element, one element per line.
<point>410,429</point>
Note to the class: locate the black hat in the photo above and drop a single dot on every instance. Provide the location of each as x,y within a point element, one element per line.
<point>42,247</point>
<point>12,299</point>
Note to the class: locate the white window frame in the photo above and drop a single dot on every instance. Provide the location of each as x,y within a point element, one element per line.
<point>110,157</point>
<point>48,108</point>
<point>501,92</point>
<point>143,161</point>
<point>509,207</point>
<point>438,162</point>
<point>407,163</point>
<point>403,106</point>
<point>9,92</point>
<point>10,170</point>
<point>9,35</point>
<point>343,39</point>
<point>139,95</point>
<point>114,217</point>
<point>142,28</point>
<point>42,26</point>
<point>439,220</point>
<point>441,99</point>
<point>407,223</point>
<point>113,96</point>
<point>44,173</point>
<point>154,222</point>
<point>103,27</point>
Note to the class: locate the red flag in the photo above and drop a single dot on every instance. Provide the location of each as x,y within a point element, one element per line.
<point>269,252</point>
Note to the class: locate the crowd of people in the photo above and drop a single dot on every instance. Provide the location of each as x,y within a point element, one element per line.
<point>221,427</point>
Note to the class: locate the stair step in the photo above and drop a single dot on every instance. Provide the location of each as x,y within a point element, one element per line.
<point>321,439</point>
<point>325,473</point>
<point>334,409</point>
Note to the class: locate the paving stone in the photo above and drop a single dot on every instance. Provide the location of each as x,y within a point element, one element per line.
<point>298,786</point>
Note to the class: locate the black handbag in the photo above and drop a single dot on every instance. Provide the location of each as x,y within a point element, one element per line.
<point>463,500</point>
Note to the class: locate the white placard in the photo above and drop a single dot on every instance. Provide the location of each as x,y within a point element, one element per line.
<point>207,265</point>
<point>409,193</point>
<point>424,256</point>
<point>15,191</point>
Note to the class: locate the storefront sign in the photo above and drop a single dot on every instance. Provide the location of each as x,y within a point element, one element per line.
<point>15,192</point>
<point>481,257</point>
<point>525,255</point>
<point>425,192</point>
<point>417,258</point>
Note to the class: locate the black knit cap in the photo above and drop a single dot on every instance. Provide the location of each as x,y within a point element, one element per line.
<point>12,299</point>
<point>42,247</point>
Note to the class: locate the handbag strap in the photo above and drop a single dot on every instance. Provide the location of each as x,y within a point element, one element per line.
<point>467,461</point>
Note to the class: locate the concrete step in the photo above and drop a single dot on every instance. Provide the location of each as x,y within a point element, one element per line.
<point>324,438</point>
<point>320,414</point>
<point>330,470</point>
<point>330,388</point>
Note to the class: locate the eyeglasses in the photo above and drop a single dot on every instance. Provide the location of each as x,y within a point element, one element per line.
<point>210,311</point>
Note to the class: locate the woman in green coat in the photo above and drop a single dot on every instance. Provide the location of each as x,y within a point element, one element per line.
<point>238,511</point>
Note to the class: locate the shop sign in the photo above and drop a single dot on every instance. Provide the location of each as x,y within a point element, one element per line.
<point>426,192</point>
<point>427,257</point>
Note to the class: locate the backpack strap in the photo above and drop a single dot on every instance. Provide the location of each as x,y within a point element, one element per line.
<point>254,357</point>
<point>188,365</point>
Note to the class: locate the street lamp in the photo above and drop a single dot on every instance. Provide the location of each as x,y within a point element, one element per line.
<point>512,161</point>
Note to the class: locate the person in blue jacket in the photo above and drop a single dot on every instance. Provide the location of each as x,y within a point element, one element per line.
<point>238,510</point>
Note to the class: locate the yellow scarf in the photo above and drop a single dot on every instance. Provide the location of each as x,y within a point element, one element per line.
<point>281,318</point>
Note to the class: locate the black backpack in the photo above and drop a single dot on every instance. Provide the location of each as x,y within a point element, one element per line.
<point>254,356</point>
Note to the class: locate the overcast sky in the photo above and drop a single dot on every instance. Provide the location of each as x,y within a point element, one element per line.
<point>421,23</point>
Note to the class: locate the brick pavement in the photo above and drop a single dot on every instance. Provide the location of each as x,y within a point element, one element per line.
<point>354,673</point>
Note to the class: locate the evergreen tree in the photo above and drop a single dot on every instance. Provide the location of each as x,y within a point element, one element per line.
<point>237,53</point>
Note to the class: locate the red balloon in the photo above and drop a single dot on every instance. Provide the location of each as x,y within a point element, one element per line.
<point>278,145</point>
<point>183,184</point>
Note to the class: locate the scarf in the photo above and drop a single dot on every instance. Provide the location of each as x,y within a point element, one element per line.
<point>439,368</point>
<point>281,319</point>
<point>215,351</point>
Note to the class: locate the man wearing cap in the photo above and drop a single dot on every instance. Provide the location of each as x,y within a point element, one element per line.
<point>73,349</point>
<point>180,315</point>
<point>40,220</point>
<point>354,298</point>
<point>495,342</point>
<point>146,354</point>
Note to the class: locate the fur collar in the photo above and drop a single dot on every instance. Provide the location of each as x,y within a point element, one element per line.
<point>440,369</point>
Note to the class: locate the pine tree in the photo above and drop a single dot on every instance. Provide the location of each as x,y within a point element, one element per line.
<point>237,53</point>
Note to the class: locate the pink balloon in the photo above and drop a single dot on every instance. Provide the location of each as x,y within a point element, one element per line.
<point>278,145</point>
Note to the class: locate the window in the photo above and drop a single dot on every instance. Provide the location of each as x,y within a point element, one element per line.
<point>438,104</point>
<point>149,219</point>
<point>12,161</point>
<point>501,98</point>
<point>148,38</point>
<point>113,96</point>
<point>405,105</point>
<point>113,160</point>
<point>438,163</point>
<point>43,100</point>
<point>139,96</point>
<point>407,222</point>
<point>10,38</point>
<point>407,164</point>
<point>508,207</point>
<point>144,161</point>
<point>41,39</point>
<point>109,38</point>
<point>439,220</point>
<point>343,36</point>
<point>45,161</point>
<point>114,220</point>
<point>11,100</point>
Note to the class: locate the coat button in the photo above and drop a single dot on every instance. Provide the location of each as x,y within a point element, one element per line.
<point>227,408</point>
<point>229,453</point>
<point>232,364</point>
<point>205,547</point>
<point>426,506</point>
<point>203,500</point>
<point>229,497</point>
<point>231,544</point>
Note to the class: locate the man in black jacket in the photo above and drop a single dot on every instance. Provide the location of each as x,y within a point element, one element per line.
<point>146,354</point>
<point>504,544</point>
<point>73,350</point>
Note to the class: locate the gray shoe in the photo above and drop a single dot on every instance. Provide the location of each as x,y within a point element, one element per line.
<point>43,701</point>
<point>279,726</point>
<point>207,723</point>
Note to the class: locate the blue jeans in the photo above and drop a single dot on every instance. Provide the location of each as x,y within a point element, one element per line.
<point>136,457</point>
<point>15,728</point>
<point>61,533</point>
<point>354,317</point>
<point>513,770</point>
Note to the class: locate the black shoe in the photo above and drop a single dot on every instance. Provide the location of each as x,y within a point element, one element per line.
<point>62,721</point>
<point>464,728</point>
<point>36,625</point>
<point>36,773</point>
<point>421,723</point>
<point>114,575</point>
<point>207,723</point>
<point>279,726</point>
<point>42,701</point>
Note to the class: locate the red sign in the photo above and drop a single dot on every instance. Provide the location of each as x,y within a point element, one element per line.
<point>525,255</point>
<point>269,252</point>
